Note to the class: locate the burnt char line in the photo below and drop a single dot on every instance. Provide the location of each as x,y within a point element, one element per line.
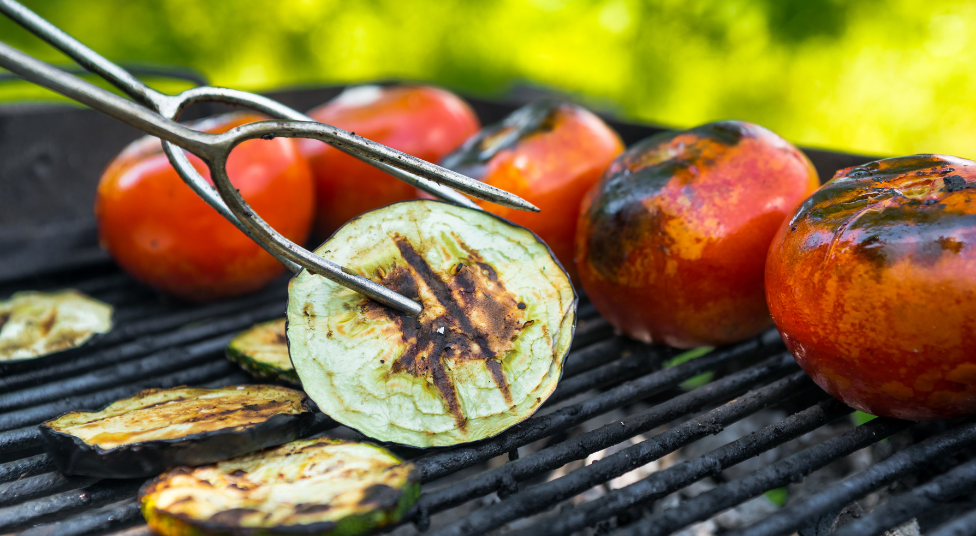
<point>458,338</point>
<point>232,517</point>
<point>499,376</point>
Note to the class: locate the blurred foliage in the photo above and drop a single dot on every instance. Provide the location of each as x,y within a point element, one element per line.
<point>866,76</point>
<point>695,381</point>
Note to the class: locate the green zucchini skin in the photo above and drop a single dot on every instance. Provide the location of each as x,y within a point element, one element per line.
<point>384,508</point>
<point>250,348</point>
<point>73,456</point>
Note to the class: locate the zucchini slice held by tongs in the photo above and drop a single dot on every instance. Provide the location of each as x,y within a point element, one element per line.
<point>483,355</point>
<point>157,430</point>
<point>321,486</point>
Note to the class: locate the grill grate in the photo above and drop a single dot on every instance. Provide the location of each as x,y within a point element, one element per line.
<point>618,403</point>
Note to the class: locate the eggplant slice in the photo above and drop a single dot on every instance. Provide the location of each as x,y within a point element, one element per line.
<point>35,324</point>
<point>321,486</point>
<point>485,353</point>
<point>163,428</point>
<point>262,351</point>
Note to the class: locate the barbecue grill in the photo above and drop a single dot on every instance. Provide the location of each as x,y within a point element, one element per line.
<point>619,404</point>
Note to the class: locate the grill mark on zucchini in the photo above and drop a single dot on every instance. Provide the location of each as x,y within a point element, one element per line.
<point>374,370</point>
<point>34,324</point>
<point>208,409</point>
<point>308,487</point>
<point>470,316</point>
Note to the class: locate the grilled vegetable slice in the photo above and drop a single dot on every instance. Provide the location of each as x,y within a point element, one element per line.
<point>263,351</point>
<point>34,324</point>
<point>163,428</point>
<point>485,353</point>
<point>321,486</point>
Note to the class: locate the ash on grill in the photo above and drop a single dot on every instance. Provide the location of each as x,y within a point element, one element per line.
<point>621,448</point>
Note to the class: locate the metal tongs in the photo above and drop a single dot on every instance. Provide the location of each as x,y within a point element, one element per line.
<point>156,113</point>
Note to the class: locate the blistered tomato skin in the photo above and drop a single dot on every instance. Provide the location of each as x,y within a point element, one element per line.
<point>548,153</point>
<point>162,234</point>
<point>672,242</point>
<point>873,286</point>
<point>425,122</point>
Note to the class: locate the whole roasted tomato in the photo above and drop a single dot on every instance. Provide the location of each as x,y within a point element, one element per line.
<point>872,284</point>
<point>160,232</point>
<point>672,241</point>
<point>425,122</point>
<point>548,153</point>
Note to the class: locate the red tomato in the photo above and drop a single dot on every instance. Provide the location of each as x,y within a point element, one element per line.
<point>424,122</point>
<point>160,232</point>
<point>672,242</point>
<point>548,153</point>
<point>872,284</point>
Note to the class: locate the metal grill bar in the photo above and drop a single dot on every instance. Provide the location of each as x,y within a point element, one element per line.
<point>592,356</point>
<point>38,486</point>
<point>113,516</point>
<point>832,499</point>
<point>909,504</point>
<point>961,526</point>
<point>155,364</point>
<point>555,491</point>
<point>19,439</point>
<point>672,479</point>
<point>641,362</point>
<point>781,473</point>
<point>437,465</point>
<point>64,503</point>
<point>146,345</point>
<point>25,467</point>
<point>589,331</point>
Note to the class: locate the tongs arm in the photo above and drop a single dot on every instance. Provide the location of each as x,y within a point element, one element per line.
<point>171,106</point>
<point>214,148</point>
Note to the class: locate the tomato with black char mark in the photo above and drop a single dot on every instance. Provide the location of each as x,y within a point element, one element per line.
<point>672,241</point>
<point>548,153</point>
<point>872,284</point>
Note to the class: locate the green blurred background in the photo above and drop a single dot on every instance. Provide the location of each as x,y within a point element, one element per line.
<point>881,78</point>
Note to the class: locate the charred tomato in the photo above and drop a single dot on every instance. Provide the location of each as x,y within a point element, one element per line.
<point>425,122</point>
<point>872,284</point>
<point>548,153</point>
<point>672,241</point>
<point>164,235</point>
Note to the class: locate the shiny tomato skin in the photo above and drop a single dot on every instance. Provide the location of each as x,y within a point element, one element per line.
<point>421,121</point>
<point>872,284</point>
<point>161,233</point>
<point>672,241</point>
<point>548,153</point>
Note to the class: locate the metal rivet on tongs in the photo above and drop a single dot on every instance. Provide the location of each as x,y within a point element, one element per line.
<point>157,117</point>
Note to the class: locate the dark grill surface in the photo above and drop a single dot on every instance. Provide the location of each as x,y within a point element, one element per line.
<point>620,405</point>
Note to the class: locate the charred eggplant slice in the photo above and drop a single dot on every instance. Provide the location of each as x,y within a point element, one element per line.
<point>321,486</point>
<point>263,351</point>
<point>159,429</point>
<point>35,324</point>
<point>485,353</point>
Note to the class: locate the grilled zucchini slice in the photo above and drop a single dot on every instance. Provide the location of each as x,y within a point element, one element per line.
<point>321,486</point>
<point>262,351</point>
<point>159,429</point>
<point>485,353</point>
<point>35,324</point>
